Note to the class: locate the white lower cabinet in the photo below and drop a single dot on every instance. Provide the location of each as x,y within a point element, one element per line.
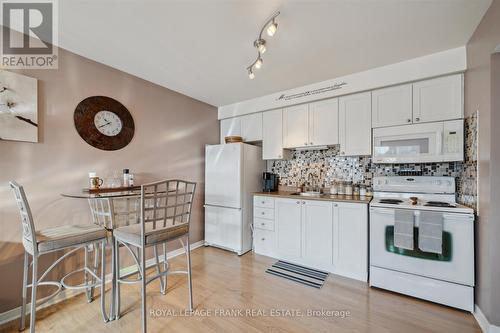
<point>317,228</point>
<point>288,228</point>
<point>350,243</point>
<point>330,236</point>
<point>264,242</point>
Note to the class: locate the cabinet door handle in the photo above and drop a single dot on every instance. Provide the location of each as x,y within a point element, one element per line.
<point>305,143</point>
<point>303,202</point>
<point>279,156</point>
<point>417,119</point>
<point>311,143</point>
<point>335,205</point>
<point>408,120</point>
<point>298,202</point>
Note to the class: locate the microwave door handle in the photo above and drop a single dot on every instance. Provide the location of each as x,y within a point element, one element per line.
<point>439,143</point>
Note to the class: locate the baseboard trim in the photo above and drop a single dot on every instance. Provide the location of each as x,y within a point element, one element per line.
<point>483,322</point>
<point>15,313</point>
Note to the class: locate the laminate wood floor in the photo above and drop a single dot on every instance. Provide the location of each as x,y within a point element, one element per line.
<point>234,294</point>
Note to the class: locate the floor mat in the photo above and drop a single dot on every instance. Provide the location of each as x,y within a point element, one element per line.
<point>308,276</point>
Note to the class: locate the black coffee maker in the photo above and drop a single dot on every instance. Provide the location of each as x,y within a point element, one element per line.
<point>269,182</point>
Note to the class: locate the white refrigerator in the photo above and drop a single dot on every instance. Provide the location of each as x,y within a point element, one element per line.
<point>233,172</point>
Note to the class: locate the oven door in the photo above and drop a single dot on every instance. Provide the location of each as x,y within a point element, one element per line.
<point>455,264</point>
<point>408,143</point>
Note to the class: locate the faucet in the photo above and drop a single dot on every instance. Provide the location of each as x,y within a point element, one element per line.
<point>311,178</point>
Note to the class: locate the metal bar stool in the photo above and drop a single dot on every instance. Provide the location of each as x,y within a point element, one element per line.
<point>112,213</point>
<point>38,243</point>
<point>165,216</point>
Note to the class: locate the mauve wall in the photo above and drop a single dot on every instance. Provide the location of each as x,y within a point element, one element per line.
<point>171,131</point>
<point>478,97</point>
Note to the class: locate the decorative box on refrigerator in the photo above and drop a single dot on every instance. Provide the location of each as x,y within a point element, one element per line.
<point>232,173</point>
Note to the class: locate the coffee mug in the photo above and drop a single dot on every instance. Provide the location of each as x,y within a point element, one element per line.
<point>95,182</point>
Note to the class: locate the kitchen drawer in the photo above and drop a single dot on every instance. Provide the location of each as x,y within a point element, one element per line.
<point>263,241</point>
<point>263,213</point>
<point>263,224</point>
<point>265,202</point>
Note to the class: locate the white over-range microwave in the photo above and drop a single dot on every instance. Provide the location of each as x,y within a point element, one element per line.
<point>419,143</point>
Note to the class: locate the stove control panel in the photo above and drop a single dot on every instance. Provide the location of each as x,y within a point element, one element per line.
<point>415,184</point>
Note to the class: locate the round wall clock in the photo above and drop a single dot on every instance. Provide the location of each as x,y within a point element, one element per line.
<point>104,123</point>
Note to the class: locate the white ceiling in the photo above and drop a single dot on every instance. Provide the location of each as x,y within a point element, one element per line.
<point>202,47</point>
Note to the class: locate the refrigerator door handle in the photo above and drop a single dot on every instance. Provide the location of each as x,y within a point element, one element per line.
<point>221,207</point>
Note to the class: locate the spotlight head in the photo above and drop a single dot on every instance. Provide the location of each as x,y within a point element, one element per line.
<point>258,63</point>
<point>260,44</point>
<point>271,29</point>
<point>251,75</point>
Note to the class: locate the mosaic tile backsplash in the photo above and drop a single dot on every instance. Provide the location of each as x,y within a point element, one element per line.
<point>326,167</point>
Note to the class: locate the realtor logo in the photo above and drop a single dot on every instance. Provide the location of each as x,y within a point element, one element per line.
<point>28,34</point>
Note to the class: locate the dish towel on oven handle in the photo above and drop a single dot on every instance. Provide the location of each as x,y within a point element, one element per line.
<point>403,229</point>
<point>430,232</point>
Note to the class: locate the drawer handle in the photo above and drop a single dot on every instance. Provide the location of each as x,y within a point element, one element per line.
<point>263,202</point>
<point>263,239</point>
<point>262,223</point>
<point>263,213</point>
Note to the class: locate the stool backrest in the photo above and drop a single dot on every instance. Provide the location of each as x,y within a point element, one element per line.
<point>29,235</point>
<point>166,203</point>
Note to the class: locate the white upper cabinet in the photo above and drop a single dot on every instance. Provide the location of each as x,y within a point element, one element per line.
<point>272,136</point>
<point>438,99</point>
<point>296,126</point>
<point>324,122</point>
<point>251,127</point>
<point>355,124</point>
<point>314,124</point>
<point>230,126</point>
<point>392,106</point>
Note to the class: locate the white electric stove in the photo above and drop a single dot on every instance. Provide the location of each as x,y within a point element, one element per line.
<point>446,277</point>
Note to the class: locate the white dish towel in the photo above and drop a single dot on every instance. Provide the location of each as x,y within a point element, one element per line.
<point>403,229</point>
<point>430,232</point>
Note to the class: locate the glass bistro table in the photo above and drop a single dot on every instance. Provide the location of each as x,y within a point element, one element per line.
<point>112,210</point>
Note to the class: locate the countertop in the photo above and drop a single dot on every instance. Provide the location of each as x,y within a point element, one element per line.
<point>323,197</point>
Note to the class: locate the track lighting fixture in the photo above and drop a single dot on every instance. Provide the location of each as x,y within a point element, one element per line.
<point>260,44</point>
